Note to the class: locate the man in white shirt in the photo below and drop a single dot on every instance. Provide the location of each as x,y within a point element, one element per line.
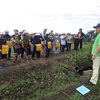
<point>63,42</point>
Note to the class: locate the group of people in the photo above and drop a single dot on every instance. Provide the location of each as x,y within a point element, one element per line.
<point>27,45</point>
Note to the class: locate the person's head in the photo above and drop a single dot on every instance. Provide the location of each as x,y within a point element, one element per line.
<point>68,34</point>
<point>80,30</point>
<point>33,34</point>
<point>1,35</point>
<point>6,32</point>
<point>59,35</point>
<point>16,32</point>
<point>45,30</point>
<point>21,33</point>
<point>51,31</point>
<point>26,33</point>
<point>62,34</point>
<point>56,34</point>
<point>97,28</point>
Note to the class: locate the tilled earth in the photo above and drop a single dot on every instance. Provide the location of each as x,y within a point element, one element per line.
<point>12,72</point>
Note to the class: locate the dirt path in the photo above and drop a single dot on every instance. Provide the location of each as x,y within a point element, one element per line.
<point>12,73</point>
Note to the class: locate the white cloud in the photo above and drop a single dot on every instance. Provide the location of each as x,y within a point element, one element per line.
<point>59,15</point>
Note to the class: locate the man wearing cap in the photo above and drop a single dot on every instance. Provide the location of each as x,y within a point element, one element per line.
<point>95,57</point>
<point>7,37</point>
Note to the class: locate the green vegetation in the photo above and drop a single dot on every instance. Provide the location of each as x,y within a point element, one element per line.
<point>48,83</point>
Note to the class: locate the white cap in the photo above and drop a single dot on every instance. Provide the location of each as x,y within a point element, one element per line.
<point>48,32</point>
<point>37,33</point>
<point>6,31</point>
<point>25,32</point>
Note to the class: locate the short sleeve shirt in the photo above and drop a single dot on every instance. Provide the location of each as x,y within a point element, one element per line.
<point>96,45</point>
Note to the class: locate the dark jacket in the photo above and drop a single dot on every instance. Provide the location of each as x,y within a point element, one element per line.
<point>16,37</point>
<point>37,39</point>
<point>7,37</point>
<point>26,41</point>
<point>81,35</point>
<point>47,39</point>
<point>2,42</point>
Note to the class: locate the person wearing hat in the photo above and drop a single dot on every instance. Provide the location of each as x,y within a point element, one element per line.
<point>95,57</point>
<point>7,37</point>
<point>80,37</point>
<point>36,41</point>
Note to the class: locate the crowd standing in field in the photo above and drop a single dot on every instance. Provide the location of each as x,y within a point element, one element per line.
<point>27,45</point>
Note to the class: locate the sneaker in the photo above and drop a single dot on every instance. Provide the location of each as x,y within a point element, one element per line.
<point>89,83</point>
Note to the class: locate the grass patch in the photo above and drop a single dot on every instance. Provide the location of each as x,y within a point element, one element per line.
<point>47,83</point>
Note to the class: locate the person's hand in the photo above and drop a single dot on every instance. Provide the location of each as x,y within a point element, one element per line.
<point>81,38</point>
<point>41,39</point>
<point>0,50</point>
<point>93,57</point>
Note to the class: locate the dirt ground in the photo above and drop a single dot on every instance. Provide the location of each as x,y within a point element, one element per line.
<point>13,72</point>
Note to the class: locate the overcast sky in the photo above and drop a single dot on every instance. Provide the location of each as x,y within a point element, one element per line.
<point>57,15</point>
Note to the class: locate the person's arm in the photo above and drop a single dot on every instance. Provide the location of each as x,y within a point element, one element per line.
<point>31,40</point>
<point>12,39</point>
<point>82,36</point>
<point>97,50</point>
<point>41,38</point>
<point>95,54</point>
<point>64,38</point>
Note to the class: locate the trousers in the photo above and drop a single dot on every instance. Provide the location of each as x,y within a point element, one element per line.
<point>95,74</point>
